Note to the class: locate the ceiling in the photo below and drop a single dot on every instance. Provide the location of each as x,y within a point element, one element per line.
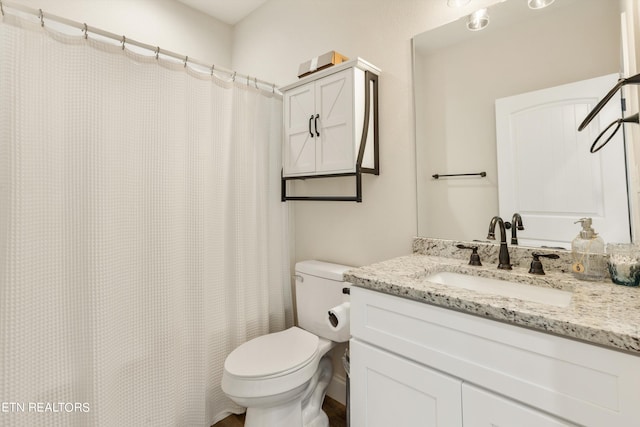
<point>227,11</point>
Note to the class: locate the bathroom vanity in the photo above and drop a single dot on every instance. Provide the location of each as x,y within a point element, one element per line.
<point>424,353</point>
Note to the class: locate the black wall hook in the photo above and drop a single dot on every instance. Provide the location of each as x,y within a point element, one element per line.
<point>633,80</point>
<point>635,118</point>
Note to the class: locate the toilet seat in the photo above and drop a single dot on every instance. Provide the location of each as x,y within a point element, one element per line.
<point>273,355</point>
<point>273,364</point>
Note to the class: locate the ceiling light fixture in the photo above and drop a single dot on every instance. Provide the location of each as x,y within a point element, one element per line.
<point>478,20</point>
<point>457,3</point>
<point>539,4</point>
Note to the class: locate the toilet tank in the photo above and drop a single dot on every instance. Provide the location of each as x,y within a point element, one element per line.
<point>319,289</point>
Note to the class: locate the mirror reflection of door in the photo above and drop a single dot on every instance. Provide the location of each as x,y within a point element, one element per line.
<point>546,172</point>
<point>458,75</point>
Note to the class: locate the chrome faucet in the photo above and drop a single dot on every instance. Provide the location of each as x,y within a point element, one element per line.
<point>516,224</point>
<point>504,262</point>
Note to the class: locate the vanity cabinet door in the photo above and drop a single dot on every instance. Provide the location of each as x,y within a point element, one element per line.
<point>388,390</point>
<point>481,408</point>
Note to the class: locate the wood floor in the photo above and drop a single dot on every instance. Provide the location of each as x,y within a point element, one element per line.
<point>335,410</point>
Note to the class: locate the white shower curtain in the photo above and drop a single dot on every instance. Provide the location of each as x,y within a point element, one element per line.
<point>141,232</point>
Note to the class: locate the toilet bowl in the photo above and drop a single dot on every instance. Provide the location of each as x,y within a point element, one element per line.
<point>281,378</point>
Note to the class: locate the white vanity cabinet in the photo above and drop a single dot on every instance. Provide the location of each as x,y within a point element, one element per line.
<point>415,364</point>
<point>394,391</point>
<point>481,408</point>
<point>325,117</point>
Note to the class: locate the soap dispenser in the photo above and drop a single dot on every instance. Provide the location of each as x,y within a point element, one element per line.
<point>589,262</point>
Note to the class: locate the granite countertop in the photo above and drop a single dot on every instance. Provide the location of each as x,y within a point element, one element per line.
<point>599,312</point>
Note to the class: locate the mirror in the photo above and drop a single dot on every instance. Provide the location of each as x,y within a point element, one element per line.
<point>458,75</point>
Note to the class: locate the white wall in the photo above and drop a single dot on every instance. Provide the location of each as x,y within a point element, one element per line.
<point>280,35</point>
<point>165,23</point>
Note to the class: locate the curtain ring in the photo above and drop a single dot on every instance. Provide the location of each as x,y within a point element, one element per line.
<point>157,52</point>
<point>255,82</point>
<point>212,68</point>
<point>123,41</point>
<point>273,88</point>
<point>85,30</point>
<point>1,8</point>
<point>247,81</point>
<point>233,78</point>
<point>41,15</point>
<point>186,58</point>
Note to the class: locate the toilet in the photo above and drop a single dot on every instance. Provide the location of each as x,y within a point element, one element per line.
<point>281,378</point>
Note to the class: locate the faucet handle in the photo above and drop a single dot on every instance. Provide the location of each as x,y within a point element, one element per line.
<point>536,264</point>
<point>475,258</point>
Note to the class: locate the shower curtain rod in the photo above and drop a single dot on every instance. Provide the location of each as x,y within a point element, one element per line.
<point>41,15</point>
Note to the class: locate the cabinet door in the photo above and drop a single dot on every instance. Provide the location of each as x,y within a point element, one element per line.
<point>335,147</point>
<point>481,408</point>
<point>388,390</point>
<point>299,151</point>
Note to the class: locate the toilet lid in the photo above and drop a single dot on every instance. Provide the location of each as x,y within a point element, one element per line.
<point>272,354</point>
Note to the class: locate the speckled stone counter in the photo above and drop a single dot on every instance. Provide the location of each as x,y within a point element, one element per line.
<point>599,312</point>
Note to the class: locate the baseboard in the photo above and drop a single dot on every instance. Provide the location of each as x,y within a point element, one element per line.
<point>337,389</point>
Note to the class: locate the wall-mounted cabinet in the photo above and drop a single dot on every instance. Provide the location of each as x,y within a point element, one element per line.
<point>331,125</point>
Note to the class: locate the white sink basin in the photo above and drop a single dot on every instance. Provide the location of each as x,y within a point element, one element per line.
<point>503,288</point>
